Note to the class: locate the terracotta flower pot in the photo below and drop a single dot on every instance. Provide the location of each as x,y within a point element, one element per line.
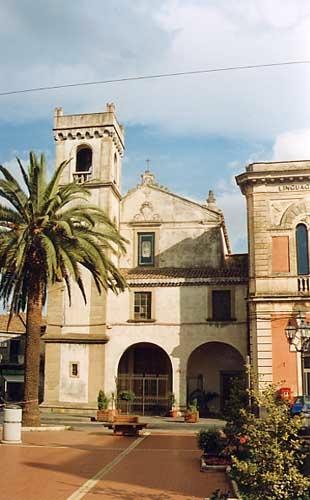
<point>211,462</point>
<point>106,415</point>
<point>191,417</point>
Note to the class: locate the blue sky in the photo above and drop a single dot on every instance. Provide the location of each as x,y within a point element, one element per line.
<point>198,131</point>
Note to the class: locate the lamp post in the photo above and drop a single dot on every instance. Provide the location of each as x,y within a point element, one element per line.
<point>298,336</point>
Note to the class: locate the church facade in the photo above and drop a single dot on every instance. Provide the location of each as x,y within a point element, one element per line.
<point>181,326</point>
<point>194,314</point>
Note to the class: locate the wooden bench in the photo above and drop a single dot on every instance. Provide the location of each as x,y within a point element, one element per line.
<point>126,425</point>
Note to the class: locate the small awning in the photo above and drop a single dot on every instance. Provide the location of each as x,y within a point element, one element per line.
<point>19,379</point>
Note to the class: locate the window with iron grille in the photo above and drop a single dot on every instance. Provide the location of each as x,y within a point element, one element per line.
<point>221,305</point>
<point>142,305</point>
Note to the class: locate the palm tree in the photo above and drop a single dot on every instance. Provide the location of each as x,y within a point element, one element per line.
<point>47,234</point>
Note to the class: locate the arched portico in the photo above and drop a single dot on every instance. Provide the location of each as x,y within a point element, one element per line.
<point>145,369</point>
<point>211,369</point>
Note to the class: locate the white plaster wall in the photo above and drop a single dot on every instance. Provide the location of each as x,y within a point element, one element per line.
<point>101,160</point>
<point>77,316</point>
<point>179,304</point>
<point>180,328</point>
<point>73,389</point>
<point>168,206</point>
<point>188,235</point>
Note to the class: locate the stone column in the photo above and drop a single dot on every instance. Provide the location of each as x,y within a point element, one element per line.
<point>179,383</point>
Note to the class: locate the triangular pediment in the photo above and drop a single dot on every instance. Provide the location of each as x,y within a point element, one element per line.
<point>148,203</point>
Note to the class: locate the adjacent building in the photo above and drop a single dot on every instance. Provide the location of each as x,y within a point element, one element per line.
<point>12,348</point>
<point>278,212</point>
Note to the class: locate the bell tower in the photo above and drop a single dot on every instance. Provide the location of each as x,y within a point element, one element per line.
<point>94,143</point>
<point>76,334</point>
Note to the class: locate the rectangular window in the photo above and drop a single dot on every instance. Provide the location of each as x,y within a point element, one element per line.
<point>280,254</point>
<point>74,370</point>
<point>221,305</point>
<point>142,305</point>
<point>146,249</point>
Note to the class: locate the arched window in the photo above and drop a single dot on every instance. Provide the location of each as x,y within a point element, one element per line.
<point>84,159</point>
<point>302,249</point>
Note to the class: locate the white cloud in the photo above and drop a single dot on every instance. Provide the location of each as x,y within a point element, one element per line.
<point>51,42</point>
<point>292,145</point>
<point>12,165</point>
<point>233,164</point>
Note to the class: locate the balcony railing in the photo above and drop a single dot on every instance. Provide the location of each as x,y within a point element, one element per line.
<point>81,177</point>
<point>303,285</point>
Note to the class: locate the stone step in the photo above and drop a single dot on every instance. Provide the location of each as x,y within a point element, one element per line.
<point>64,417</point>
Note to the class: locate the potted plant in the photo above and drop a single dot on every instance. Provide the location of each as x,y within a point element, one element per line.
<point>213,443</point>
<point>192,414</point>
<point>103,403</point>
<point>127,396</point>
<point>173,410</point>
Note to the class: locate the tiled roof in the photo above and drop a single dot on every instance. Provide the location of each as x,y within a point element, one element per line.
<point>17,324</point>
<point>235,268</point>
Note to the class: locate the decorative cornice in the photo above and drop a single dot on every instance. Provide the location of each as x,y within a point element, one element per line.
<point>297,172</point>
<point>152,283</point>
<point>144,223</point>
<point>279,298</point>
<point>75,338</point>
<point>89,132</point>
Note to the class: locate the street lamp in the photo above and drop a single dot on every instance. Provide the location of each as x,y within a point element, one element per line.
<point>298,336</point>
<point>290,332</point>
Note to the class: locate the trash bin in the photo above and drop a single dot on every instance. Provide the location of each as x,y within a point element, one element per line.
<point>12,424</point>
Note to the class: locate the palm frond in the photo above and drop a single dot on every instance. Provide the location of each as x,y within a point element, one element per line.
<point>50,234</point>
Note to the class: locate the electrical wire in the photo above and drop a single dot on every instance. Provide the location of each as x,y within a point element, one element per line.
<point>150,77</point>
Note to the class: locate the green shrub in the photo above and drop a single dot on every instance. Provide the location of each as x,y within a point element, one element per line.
<point>211,441</point>
<point>127,395</point>
<point>102,400</point>
<point>238,400</point>
<point>272,466</point>
<point>193,407</point>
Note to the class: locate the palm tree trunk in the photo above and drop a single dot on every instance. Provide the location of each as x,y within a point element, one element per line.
<point>31,413</point>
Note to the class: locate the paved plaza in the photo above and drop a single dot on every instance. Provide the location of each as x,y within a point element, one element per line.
<point>93,464</point>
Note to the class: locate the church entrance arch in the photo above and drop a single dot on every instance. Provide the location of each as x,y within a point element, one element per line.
<point>211,371</point>
<point>145,369</point>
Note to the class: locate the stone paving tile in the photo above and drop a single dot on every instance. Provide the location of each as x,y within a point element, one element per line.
<point>54,465</point>
<point>160,468</point>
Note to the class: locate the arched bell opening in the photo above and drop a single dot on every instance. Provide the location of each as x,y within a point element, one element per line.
<point>84,159</point>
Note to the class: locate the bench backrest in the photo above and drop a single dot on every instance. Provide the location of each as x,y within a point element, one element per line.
<point>126,419</point>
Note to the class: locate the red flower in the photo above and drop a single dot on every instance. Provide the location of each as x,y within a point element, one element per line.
<point>243,440</point>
